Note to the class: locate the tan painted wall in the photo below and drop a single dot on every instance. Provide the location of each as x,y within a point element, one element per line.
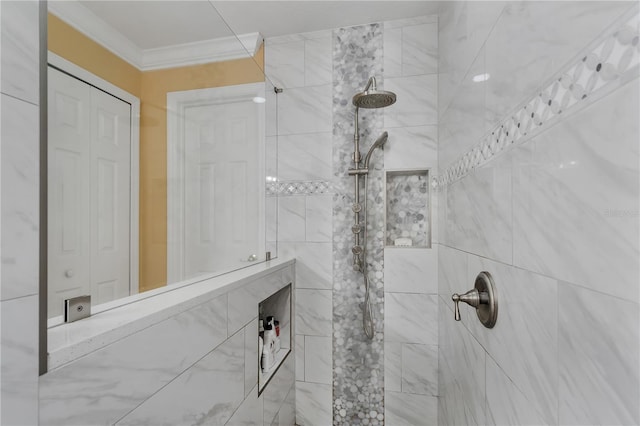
<point>152,88</point>
<point>75,47</point>
<point>153,149</point>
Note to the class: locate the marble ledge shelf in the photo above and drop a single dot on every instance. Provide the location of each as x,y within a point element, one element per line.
<point>69,342</point>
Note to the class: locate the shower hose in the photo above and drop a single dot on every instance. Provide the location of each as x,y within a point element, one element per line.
<point>367,312</point>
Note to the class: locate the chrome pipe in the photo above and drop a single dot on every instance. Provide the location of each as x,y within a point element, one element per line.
<point>356,141</point>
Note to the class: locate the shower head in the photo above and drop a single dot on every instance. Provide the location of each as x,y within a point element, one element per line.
<point>372,97</point>
<point>377,144</point>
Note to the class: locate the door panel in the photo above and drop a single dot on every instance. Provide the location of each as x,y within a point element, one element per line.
<point>110,196</point>
<point>89,192</point>
<point>68,193</point>
<point>221,186</point>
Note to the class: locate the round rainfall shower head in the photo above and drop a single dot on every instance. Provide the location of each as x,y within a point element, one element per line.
<point>374,99</point>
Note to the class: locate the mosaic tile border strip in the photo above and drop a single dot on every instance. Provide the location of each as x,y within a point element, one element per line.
<point>614,60</point>
<point>311,187</point>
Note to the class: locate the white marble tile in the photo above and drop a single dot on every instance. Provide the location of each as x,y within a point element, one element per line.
<point>242,307</point>
<point>271,109</point>
<point>463,29</point>
<point>243,302</point>
<point>479,211</point>
<point>515,77</point>
<point>393,366</point>
<point>410,270</point>
<point>271,156</point>
<point>420,49</point>
<point>454,407</point>
<point>440,227</point>
<point>462,363</point>
<point>412,148</point>
<point>305,157</point>
<point>467,106</point>
<point>283,39</point>
<point>292,217</point>
<point>576,198</point>
<point>526,350</point>
<point>271,219</point>
<point>209,392</point>
<point>420,369</point>
<point>599,358</point>
<point>299,350</point>
<point>106,384</point>
<point>392,47</point>
<point>434,211</point>
<point>314,312</point>
<point>275,393</point>
<point>506,405</point>
<point>319,224</point>
<point>411,318</point>
<point>20,50</point>
<point>318,359</point>
<point>318,61</point>
<point>20,197</point>
<point>284,63</point>
<point>405,409</point>
<point>250,411</point>
<point>19,361</point>
<point>313,404</point>
<point>452,272</point>
<point>305,110</point>
<point>416,104</point>
<point>251,359</point>
<point>314,264</point>
<point>414,20</point>
<point>287,413</point>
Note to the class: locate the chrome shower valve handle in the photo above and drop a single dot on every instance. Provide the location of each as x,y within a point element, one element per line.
<point>471,298</point>
<point>483,297</point>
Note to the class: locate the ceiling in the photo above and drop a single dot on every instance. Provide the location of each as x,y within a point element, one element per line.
<point>156,34</point>
<point>155,24</point>
<point>275,18</point>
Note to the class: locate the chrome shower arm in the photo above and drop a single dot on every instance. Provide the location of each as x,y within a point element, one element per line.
<point>371,84</point>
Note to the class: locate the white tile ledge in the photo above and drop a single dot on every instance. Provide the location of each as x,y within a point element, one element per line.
<point>69,342</point>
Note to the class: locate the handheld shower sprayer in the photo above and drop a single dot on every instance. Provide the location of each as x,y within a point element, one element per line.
<point>377,144</point>
<point>371,97</point>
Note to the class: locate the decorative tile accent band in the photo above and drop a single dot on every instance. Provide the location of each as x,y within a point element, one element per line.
<point>314,187</point>
<point>609,63</point>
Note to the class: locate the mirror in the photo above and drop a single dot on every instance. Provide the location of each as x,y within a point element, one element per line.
<point>158,163</point>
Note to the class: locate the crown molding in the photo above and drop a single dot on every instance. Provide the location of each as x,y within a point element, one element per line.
<point>207,51</point>
<point>201,52</point>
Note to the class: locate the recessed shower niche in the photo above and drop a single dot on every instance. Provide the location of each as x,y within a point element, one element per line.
<point>274,340</point>
<point>408,210</point>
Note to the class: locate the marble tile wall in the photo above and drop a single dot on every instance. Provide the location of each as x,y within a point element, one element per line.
<point>301,65</point>
<point>554,219</point>
<point>410,274</point>
<point>198,367</point>
<point>19,212</point>
<point>403,56</point>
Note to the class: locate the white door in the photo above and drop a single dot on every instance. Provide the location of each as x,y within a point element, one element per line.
<point>88,192</point>
<point>221,186</point>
